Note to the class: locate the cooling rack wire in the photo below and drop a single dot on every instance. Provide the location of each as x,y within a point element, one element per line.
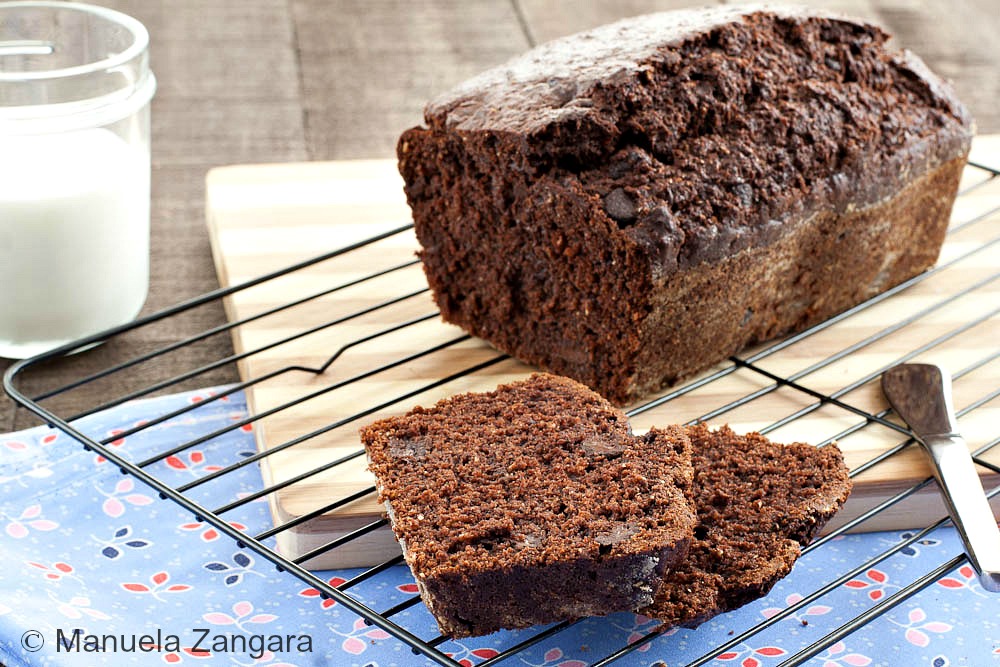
<point>984,223</point>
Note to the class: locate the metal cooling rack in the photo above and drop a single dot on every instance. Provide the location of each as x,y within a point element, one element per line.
<point>754,364</point>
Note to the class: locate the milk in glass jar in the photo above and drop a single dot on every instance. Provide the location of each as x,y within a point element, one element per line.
<point>75,88</point>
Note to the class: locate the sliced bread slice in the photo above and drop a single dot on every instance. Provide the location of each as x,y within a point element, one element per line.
<point>531,504</point>
<point>758,502</point>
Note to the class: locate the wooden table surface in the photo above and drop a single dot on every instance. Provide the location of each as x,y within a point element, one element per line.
<point>291,80</point>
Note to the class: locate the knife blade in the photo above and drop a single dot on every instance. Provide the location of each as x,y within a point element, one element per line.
<point>921,395</point>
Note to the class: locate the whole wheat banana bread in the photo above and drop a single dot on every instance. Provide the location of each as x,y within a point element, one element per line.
<point>532,503</point>
<point>629,205</point>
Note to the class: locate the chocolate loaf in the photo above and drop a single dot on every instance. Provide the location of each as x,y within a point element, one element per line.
<point>532,503</point>
<point>758,502</point>
<point>630,205</point>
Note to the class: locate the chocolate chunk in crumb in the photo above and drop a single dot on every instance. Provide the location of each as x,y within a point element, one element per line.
<point>407,447</point>
<point>620,206</point>
<point>618,533</point>
<point>743,192</point>
<point>602,446</point>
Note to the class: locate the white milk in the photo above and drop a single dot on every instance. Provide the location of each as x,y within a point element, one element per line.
<point>74,237</point>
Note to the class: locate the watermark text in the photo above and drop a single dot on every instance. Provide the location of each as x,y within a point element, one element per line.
<point>196,641</point>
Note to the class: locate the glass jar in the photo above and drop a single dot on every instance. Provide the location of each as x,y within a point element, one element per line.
<point>75,88</point>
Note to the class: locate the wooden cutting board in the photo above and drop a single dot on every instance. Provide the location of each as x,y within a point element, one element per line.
<point>265,217</point>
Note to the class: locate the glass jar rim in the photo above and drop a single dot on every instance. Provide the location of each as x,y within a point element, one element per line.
<point>138,31</point>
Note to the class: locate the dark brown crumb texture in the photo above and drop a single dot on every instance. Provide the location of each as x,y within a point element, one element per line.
<point>531,504</point>
<point>589,206</point>
<point>757,503</point>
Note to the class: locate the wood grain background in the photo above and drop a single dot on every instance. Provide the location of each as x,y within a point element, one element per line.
<point>290,80</point>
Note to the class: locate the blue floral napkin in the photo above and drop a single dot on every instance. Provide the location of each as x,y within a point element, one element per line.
<point>96,569</point>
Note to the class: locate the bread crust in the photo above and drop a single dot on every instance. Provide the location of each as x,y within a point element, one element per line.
<point>630,212</point>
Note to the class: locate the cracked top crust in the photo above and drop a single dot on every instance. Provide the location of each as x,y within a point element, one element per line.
<point>703,132</point>
<point>551,82</point>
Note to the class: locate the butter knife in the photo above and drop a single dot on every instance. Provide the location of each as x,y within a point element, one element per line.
<point>921,395</point>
